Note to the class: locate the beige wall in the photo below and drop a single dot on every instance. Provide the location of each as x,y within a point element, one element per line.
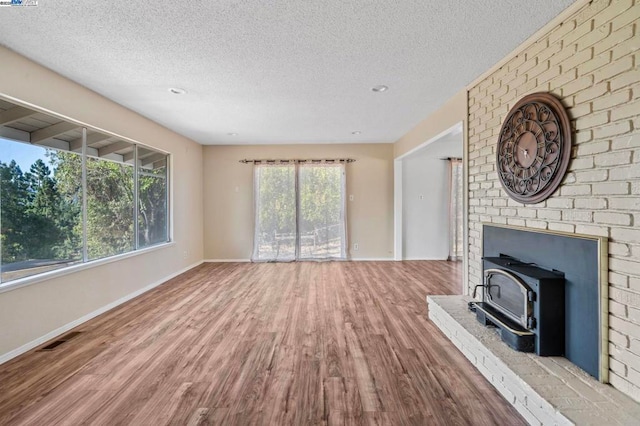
<point>454,111</point>
<point>590,61</point>
<point>228,213</point>
<point>30,312</point>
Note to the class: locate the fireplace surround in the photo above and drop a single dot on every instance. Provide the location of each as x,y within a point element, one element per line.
<point>582,260</point>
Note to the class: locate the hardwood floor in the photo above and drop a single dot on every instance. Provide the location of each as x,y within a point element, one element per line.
<point>289,343</point>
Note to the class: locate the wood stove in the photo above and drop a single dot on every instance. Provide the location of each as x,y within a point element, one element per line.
<point>526,302</point>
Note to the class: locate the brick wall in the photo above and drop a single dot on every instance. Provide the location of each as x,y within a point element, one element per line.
<point>592,63</point>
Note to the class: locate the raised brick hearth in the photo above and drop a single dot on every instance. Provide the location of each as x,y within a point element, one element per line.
<point>544,390</point>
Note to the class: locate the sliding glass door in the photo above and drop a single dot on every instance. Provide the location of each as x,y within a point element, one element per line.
<point>321,211</point>
<point>275,212</point>
<point>299,212</point>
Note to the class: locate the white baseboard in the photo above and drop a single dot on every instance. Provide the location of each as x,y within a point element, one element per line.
<point>363,259</point>
<point>425,258</point>
<point>60,330</point>
<point>371,259</point>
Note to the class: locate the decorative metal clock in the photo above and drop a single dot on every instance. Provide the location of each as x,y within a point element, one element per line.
<point>534,148</point>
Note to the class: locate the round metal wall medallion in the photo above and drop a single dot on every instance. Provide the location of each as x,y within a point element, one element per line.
<point>534,148</point>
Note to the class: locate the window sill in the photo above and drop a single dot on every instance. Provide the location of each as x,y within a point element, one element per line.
<point>26,281</point>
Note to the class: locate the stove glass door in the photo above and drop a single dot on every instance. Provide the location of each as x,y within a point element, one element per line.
<point>509,294</point>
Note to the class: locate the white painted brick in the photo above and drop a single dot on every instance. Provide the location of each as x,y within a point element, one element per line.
<point>634,315</point>
<point>577,85</point>
<point>617,37</point>
<point>610,188</point>
<point>610,100</point>
<point>593,148</point>
<point>619,280</point>
<point>592,120</point>
<point>538,224</point>
<point>602,231</point>
<point>580,31</point>
<point>561,30</point>
<point>594,64</point>
<point>619,339</point>
<point>570,178</point>
<point>626,235</point>
<point>552,51</point>
<point>575,190</point>
<point>626,79</point>
<point>619,249</point>
<point>611,12</point>
<point>617,367</point>
<point>527,212</point>
<point>615,129</point>
<point>627,203</point>
<point>617,309</point>
<point>625,266</point>
<point>563,227</point>
<point>626,18</point>
<point>560,203</point>
<point>590,92</point>
<point>597,175</point>
<point>580,110</point>
<point>625,173</point>
<point>515,222</point>
<point>610,218</point>
<point>625,386</point>
<point>564,78</point>
<point>583,136</point>
<point>577,216</point>
<point>591,203</point>
<point>613,159</point>
<point>626,327</point>
<point>581,163</point>
<point>627,110</point>
<point>614,68</point>
<point>624,48</point>
<point>549,214</point>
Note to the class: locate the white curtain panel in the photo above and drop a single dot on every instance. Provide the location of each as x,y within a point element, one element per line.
<point>321,211</point>
<point>300,212</point>
<point>275,231</point>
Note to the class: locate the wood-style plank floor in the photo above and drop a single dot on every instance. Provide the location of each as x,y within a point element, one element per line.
<point>282,344</point>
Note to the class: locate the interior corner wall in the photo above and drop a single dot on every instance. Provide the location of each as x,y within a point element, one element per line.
<point>31,312</point>
<point>590,62</point>
<point>454,111</point>
<point>228,189</point>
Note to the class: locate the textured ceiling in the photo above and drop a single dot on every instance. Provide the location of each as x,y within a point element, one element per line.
<point>275,72</point>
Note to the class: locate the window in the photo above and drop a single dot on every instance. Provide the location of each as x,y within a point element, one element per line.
<point>59,207</point>
<point>152,197</point>
<point>40,214</point>
<point>300,212</point>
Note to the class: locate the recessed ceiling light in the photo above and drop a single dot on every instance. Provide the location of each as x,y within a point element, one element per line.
<point>232,134</point>
<point>357,132</point>
<point>177,91</point>
<point>381,88</point>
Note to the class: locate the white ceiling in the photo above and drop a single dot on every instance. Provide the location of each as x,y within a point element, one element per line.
<point>275,72</point>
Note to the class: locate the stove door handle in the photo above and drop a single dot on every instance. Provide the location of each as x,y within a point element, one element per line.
<point>476,289</point>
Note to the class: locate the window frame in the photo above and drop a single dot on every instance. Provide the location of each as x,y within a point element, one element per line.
<point>14,136</point>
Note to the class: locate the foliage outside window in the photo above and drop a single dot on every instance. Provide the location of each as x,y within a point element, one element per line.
<point>300,212</point>
<point>44,224</point>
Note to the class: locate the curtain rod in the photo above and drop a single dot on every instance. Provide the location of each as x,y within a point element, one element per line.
<point>451,158</point>
<point>295,161</point>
